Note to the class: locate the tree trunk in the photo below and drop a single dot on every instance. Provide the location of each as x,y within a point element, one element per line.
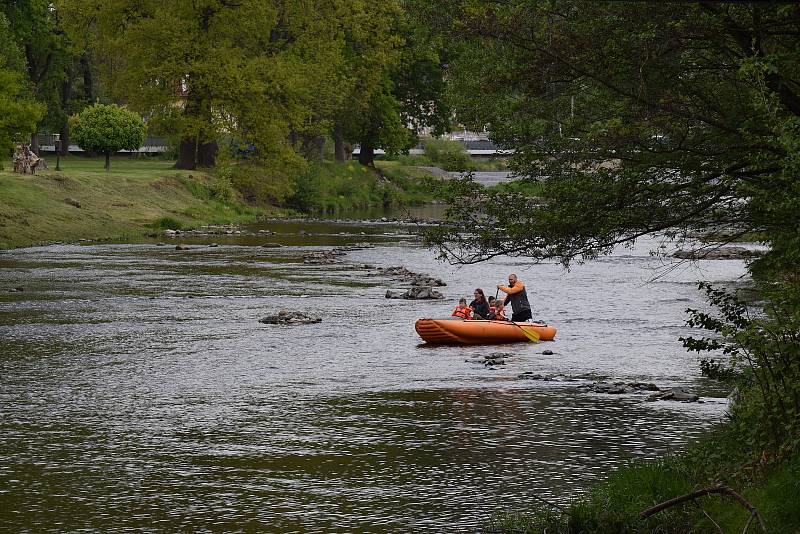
<point>338,144</point>
<point>88,82</point>
<point>187,154</point>
<point>187,150</point>
<point>366,156</point>
<point>35,143</point>
<point>207,154</point>
<point>108,161</point>
<point>63,146</point>
<point>313,147</point>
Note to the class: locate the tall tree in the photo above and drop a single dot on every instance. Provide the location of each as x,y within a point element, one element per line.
<point>253,70</point>
<point>19,112</point>
<point>49,59</point>
<point>636,118</point>
<point>396,82</point>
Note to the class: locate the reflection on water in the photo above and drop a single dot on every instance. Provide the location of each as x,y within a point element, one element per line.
<point>138,390</point>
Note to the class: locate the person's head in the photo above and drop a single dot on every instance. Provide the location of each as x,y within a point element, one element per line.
<point>499,305</point>
<point>512,279</point>
<point>491,300</point>
<point>462,302</point>
<point>479,296</point>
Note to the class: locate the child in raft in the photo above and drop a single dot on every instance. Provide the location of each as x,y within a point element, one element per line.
<point>462,310</point>
<point>499,307</point>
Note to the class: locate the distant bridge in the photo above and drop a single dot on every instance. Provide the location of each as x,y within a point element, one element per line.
<point>480,148</point>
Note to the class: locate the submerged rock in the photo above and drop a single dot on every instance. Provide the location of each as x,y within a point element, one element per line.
<point>618,388</point>
<point>415,293</point>
<point>675,394</point>
<point>182,247</point>
<point>290,317</point>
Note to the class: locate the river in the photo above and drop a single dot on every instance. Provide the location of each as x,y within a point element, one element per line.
<point>139,391</point>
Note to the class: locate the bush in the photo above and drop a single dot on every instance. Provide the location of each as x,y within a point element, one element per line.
<point>259,185</point>
<point>449,155</point>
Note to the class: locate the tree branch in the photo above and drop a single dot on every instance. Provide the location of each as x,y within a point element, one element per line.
<point>724,490</point>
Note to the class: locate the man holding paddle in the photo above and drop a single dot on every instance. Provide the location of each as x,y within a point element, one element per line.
<point>518,297</point>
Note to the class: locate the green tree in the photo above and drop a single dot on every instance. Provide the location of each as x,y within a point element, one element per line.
<point>259,72</point>
<point>18,112</point>
<point>53,63</point>
<point>107,128</point>
<point>394,82</point>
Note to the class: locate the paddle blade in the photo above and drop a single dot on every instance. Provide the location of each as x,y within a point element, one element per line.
<point>532,334</point>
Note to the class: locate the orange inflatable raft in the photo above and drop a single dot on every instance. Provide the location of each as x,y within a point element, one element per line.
<point>460,331</point>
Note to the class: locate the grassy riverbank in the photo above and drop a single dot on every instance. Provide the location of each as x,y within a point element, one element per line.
<point>85,202</point>
<point>723,457</point>
<point>142,195</point>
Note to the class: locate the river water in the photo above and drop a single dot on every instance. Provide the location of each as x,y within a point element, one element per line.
<point>138,391</point>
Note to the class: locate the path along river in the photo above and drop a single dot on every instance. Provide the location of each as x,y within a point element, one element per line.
<point>139,391</point>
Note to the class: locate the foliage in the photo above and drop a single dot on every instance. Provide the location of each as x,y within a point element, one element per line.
<point>449,155</point>
<point>167,223</point>
<point>609,102</point>
<point>260,71</point>
<point>11,56</point>
<point>18,112</point>
<point>394,80</point>
<point>57,70</point>
<point>763,352</point>
<point>259,185</point>
<point>107,129</point>
<point>332,187</point>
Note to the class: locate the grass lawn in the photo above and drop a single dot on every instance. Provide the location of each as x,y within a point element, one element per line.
<point>82,201</point>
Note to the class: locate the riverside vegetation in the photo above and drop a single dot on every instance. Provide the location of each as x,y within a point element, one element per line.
<point>617,134</point>
<point>140,196</point>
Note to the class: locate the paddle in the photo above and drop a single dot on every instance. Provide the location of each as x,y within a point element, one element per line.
<point>531,334</point>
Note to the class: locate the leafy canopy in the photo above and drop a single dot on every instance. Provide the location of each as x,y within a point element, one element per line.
<point>637,118</point>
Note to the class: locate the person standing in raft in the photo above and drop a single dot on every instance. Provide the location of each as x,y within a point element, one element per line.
<point>480,306</point>
<point>518,297</point>
<point>462,311</point>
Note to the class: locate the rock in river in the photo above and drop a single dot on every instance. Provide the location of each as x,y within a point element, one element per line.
<point>675,395</point>
<point>290,317</point>
<point>415,293</point>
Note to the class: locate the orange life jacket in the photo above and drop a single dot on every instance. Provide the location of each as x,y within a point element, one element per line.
<point>463,311</point>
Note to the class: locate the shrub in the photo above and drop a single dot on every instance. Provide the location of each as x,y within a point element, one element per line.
<point>260,185</point>
<point>449,155</point>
